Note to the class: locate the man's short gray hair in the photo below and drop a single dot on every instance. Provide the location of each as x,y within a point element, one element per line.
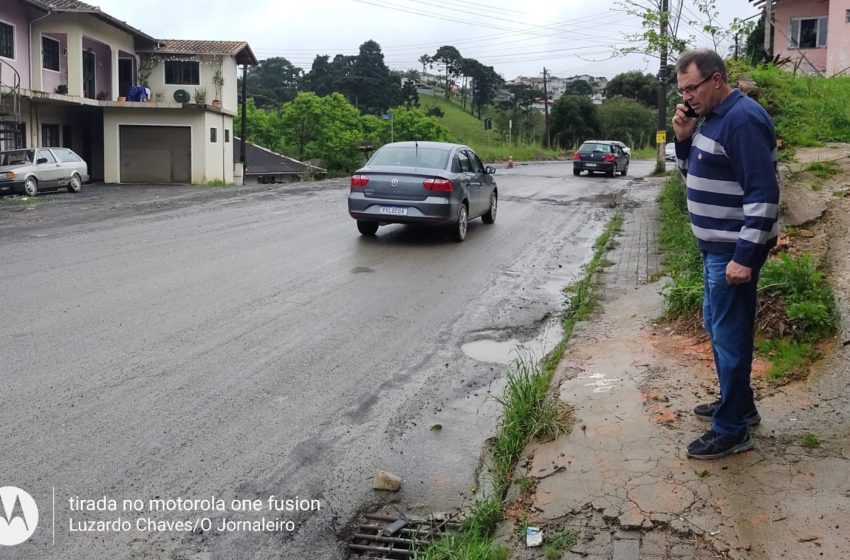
<point>707,62</point>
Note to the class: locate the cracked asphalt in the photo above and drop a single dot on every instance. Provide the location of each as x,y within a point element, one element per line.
<point>621,480</point>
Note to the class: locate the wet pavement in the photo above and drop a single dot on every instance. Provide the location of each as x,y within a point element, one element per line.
<point>621,480</point>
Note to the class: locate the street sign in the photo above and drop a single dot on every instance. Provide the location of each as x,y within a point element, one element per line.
<point>661,137</point>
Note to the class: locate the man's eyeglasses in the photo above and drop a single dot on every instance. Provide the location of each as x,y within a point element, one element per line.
<point>692,88</point>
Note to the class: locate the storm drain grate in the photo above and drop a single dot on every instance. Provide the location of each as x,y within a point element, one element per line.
<point>382,536</point>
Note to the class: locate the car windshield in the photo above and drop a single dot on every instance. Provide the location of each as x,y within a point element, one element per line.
<point>411,156</point>
<point>590,148</point>
<point>16,157</point>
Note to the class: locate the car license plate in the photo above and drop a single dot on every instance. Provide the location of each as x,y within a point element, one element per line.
<point>394,210</point>
<point>590,165</point>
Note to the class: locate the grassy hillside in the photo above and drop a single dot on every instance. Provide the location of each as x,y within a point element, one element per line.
<point>808,110</point>
<point>467,129</point>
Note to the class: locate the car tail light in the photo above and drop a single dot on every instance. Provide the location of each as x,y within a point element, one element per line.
<point>359,181</point>
<point>609,157</point>
<point>577,156</point>
<point>438,185</point>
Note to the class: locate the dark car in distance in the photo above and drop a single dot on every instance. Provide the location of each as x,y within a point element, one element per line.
<point>433,183</point>
<point>601,156</point>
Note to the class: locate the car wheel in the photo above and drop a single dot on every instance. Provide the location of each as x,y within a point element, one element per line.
<point>367,228</point>
<point>613,171</point>
<point>75,184</point>
<point>30,186</point>
<point>462,223</point>
<point>625,169</point>
<point>490,216</point>
<point>576,171</point>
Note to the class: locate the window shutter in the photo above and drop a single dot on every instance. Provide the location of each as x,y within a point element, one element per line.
<point>822,25</point>
<point>794,35</point>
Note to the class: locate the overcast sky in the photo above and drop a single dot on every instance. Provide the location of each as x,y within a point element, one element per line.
<point>567,37</point>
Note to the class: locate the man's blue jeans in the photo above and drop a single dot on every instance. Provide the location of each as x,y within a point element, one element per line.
<point>729,313</point>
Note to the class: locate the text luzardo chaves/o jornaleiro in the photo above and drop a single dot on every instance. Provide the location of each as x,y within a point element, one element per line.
<point>270,514</point>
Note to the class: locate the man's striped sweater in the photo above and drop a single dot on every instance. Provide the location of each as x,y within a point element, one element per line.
<point>730,172</point>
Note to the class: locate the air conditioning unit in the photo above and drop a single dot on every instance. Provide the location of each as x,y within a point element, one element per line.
<point>182,96</point>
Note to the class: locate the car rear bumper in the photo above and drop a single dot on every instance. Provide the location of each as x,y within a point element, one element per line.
<point>607,167</point>
<point>433,210</point>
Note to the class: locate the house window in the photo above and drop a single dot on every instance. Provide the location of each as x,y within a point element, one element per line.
<point>808,33</point>
<point>50,135</point>
<point>227,135</point>
<point>182,72</point>
<point>213,135</point>
<point>847,16</point>
<point>50,53</point>
<point>7,40</point>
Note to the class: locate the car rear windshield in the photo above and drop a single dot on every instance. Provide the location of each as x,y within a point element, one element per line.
<point>16,157</point>
<point>590,148</point>
<point>411,156</point>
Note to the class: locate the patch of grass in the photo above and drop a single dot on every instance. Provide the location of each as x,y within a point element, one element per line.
<point>788,358</point>
<point>528,412</point>
<point>808,110</point>
<point>525,483</point>
<point>16,200</point>
<point>215,183</point>
<point>810,441</point>
<point>824,169</point>
<point>683,261</point>
<point>558,543</point>
<point>809,303</point>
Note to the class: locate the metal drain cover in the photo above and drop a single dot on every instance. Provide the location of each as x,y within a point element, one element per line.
<point>399,538</point>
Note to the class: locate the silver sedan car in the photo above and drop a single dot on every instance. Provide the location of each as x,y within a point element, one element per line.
<point>32,170</point>
<point>432,183</point>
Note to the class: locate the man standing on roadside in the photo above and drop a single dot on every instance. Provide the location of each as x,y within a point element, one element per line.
<point>726,149</point>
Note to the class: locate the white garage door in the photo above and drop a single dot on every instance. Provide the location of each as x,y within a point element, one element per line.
<point>155,154</point>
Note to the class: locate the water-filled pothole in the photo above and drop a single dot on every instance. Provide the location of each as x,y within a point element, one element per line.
<point>506,351</point>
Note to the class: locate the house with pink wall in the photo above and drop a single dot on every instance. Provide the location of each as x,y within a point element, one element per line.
<point>813,34</point>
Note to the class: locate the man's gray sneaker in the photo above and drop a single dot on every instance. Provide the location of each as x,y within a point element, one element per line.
<point>706,412</point>
<point>712,445</point>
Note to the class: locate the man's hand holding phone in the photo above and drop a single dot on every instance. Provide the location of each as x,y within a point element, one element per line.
<point>684,121</point>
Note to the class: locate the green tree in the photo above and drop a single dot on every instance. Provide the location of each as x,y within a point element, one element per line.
<point>578,87</point>
<point>634,85</point>
<point>327,128</point>
<point>371,79</point>
<point>274,81</point>
<point>262,126</point>
<point>320,79</point>
<point>450,58</point>
<point>574,119</point>
<point>413,124</point>
<point>627,120</point>
<point>409,95</point>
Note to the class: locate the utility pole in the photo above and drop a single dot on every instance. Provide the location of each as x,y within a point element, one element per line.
<point>661,134</point>
<point>546,109</point>
<point>768,24</point>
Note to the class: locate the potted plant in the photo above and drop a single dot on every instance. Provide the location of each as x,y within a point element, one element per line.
<point>218,83</point>
<point>200,96</point>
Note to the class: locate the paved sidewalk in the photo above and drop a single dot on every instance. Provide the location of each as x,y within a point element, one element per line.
<point>621,479</point>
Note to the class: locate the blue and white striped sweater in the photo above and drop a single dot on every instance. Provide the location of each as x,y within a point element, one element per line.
<point>730,172</point>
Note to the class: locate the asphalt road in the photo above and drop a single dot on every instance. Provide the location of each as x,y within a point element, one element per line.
<point>245,343</point>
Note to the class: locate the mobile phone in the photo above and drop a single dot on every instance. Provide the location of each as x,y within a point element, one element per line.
<point>689,112</point>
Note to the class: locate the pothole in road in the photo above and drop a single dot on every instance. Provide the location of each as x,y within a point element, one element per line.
<point>492,350</point>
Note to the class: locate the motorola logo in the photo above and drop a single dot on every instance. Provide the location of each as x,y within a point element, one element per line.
<point>18,516</point>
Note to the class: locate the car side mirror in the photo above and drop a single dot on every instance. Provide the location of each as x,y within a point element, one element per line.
<point>41,160</point>
<point>490,170</point>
